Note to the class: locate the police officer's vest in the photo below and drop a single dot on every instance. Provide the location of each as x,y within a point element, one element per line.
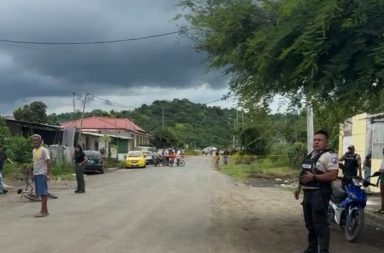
<point>350,165</point>
<point>309,165</point>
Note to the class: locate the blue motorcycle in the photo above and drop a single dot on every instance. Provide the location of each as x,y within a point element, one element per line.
<point>346,207</point>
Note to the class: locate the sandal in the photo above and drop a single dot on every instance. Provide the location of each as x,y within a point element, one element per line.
<point>40,215</point>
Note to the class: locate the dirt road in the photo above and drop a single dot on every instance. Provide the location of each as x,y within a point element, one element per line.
<point>193,209</point>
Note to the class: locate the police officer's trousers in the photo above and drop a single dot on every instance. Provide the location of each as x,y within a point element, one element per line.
<point>315,207</point>
<point>79,169</point>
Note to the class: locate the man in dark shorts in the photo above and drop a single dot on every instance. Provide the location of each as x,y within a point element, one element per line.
<point>41,172</point>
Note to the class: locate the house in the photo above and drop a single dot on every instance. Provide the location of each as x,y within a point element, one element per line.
<point>366,133</point>
<point>116,135</point>
<point>51,135</point>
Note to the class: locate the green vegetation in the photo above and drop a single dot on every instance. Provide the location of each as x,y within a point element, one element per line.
<point>19,171</point>
<point>34,112</point>
<point>19,150</point>
<point>328,52</point>
<point>246,167</point>
<point>62,169</point>
<point>190,125</point>
<point>111,163</point>
<point>189,152</point>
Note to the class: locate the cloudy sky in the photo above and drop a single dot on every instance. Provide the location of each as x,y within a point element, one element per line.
<point>128,74</point>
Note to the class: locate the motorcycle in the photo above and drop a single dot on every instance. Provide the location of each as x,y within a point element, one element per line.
<point>157,160</point>
<point>346,207</point>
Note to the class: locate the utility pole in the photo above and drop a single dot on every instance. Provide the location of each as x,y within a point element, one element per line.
<point>234,134</point>
<point>162,127</point>
<point>309,126</point>
<point>82,114</point>
<point>162,116</point>
<point>74,108</point>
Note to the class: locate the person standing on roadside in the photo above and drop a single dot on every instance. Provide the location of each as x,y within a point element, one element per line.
<point>318,170</point>
<point>216,159</point>
<point>352,165</point>
<point>3,157</point>
<point>367,167</point>
<point>225,157</point>
<point>381,178</point>
<point>41,173</point>
<point>80,160</point>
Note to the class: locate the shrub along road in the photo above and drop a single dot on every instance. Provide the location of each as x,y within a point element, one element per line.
<point>190,209</point>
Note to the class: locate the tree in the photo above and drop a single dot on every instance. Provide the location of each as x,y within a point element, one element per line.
<point>34,112</point>
<point>329,51</point>
<point>253,141</point>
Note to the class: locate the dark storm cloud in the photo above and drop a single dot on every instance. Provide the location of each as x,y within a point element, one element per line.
<point>31,70</point>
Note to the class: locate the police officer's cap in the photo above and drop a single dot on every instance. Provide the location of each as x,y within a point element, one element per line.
<point>351,147</point>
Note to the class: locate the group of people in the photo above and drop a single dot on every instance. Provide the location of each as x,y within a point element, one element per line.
<point>216,158</point>
<point>172,156</point>
<point>319,169</point>
<point>42,171</point>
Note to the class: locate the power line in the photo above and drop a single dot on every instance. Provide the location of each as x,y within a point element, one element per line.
<point>109,102</point>
<point>225,97</point>
<point>88,42</point>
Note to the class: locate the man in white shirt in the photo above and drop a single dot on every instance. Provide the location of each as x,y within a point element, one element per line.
<point>41,173</point>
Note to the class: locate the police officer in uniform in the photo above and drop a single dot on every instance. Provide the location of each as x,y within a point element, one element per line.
<point>352,165</point>
<point>319,169</point>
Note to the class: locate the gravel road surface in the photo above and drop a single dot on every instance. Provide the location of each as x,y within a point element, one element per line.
<point>193,209</point>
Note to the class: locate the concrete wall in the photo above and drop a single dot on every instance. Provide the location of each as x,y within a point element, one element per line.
<point>359,133</point>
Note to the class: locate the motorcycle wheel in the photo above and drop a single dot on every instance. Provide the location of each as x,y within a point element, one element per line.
<point>331,215</point>
<point>181,163</point>
<point>355,225</point>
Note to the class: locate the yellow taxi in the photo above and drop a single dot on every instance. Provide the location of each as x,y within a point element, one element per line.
<point>135,159</point>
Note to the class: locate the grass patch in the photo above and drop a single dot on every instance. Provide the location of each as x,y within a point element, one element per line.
<point>192,152</point>
<point>112,163</point>
<point>267,168</point>
<point>19,171</point>
<point>62,170</point>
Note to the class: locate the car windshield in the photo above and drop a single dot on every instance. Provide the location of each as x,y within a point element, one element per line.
<point>92,154</point>
<point>135,154</point>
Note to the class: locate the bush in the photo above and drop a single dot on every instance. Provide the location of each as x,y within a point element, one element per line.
<point>19,149</point>
<point>15,171</point>
<point>296,154</point>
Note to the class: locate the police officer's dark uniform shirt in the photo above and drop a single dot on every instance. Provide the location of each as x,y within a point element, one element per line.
<point>351,164</point>
<point>327,162</point>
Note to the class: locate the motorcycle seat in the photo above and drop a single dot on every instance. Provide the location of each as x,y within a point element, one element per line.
<point>338,194</point>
